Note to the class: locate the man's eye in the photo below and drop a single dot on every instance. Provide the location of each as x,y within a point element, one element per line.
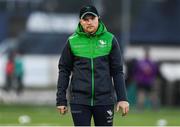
<point>89,18</point>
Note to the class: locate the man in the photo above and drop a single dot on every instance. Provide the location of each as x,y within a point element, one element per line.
<point>9,72</point>
<point>145,75</point>
<point>19,72</point>
<point>92,57</point>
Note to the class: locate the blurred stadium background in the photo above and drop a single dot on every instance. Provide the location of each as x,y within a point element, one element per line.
<point>39,30</point>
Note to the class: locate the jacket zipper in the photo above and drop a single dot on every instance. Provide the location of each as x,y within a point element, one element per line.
<point>92,75</point>
<point>92,96</point>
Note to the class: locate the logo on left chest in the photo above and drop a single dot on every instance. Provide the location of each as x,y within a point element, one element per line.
<point>102,43</point>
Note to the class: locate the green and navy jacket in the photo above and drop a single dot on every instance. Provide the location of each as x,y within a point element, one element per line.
<point>94,67</point>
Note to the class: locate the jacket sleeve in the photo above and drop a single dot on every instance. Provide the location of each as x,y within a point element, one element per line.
<point>116,70</point>
<point>65,67</point>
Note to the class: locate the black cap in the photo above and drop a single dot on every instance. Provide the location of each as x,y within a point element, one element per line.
<point>91,10</point>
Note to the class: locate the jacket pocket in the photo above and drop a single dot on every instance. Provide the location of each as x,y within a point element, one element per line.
<point>103,85</point>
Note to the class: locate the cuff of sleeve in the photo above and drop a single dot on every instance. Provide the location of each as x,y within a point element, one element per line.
<point>122,99</point>
<point>61,103</point>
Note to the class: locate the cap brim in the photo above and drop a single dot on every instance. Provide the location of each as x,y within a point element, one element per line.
<point>90,13</point>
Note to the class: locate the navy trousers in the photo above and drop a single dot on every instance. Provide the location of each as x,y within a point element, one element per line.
<point>102,115</point>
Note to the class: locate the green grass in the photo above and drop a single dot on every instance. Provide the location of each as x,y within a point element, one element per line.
<point>48,115</point>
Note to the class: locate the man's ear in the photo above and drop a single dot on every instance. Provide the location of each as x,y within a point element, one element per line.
<point>80,21</point>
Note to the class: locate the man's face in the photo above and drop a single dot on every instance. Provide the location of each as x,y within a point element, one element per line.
<point>90,24</point>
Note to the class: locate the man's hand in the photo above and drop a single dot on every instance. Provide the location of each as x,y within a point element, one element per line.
<point>62,109</point>
<point>124,106</point>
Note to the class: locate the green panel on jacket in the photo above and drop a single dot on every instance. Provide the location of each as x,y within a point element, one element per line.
<point>91,46</point>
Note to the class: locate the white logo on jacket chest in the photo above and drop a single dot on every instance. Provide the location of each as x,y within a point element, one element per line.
<point>102,43</point>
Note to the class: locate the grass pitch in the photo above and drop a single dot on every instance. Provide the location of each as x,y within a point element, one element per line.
<point>48,116</point>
